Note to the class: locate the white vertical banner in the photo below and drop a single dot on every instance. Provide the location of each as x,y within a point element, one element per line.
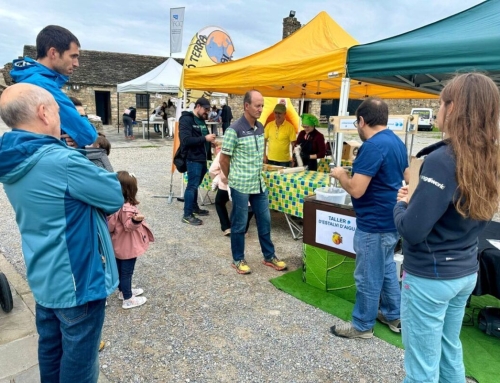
<point>176,27</point>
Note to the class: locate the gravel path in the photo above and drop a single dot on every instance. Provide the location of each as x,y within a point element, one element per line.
<point>203,322</point>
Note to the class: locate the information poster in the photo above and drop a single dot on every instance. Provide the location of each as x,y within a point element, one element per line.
<point>396,124</point>
<point>335,230</point>
<point>347,123</point>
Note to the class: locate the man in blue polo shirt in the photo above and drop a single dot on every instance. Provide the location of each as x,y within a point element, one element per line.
<point>378,171</point>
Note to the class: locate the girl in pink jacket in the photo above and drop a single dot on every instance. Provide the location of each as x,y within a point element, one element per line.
<point>130,236</point>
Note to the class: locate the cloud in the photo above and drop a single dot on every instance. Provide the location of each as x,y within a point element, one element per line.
<point>143,27</point>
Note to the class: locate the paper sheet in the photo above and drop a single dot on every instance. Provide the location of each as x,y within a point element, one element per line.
<point>495,242</point>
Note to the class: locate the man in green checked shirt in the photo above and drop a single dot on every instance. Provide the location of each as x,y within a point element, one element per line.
<point>241,158</point>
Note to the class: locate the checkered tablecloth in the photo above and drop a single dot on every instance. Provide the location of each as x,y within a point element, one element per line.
<point>286,191</point>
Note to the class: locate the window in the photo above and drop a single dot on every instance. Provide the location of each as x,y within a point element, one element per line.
<point>142,100</point>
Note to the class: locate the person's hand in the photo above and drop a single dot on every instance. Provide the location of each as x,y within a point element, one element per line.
<point>337,172</point>
<point>265,159</point>
<point>69,141</point>
<point>210,137</point>
<point>138,218</point>
<point>403,194</point>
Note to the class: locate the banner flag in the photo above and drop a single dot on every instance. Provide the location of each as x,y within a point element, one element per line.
<point>176,27</point>
<point>210,46</point>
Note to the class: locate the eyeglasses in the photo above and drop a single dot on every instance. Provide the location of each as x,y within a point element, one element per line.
<point>356,124</point>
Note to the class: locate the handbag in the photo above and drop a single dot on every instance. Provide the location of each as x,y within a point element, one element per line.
<point>489,321</point>
<point>180,160</point>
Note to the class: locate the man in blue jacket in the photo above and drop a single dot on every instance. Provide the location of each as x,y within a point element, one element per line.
<point>57,52</point>
<point>60,199</point>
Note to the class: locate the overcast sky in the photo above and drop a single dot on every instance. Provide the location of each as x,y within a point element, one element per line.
<point>142,27</point>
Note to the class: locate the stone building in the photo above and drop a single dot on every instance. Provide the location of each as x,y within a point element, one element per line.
<point>94,82</point>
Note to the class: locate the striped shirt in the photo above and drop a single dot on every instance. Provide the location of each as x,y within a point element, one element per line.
<point>245,145</point>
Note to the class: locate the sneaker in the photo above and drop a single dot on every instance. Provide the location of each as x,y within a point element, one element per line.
<point>133,302</point>
<point>227,232</point>
<point>275,263</point>
<point>347,330</point>
<point>192,220</point>
<point>201,212</point>
<point>394,325</point>
<point>135,293</point>
<point>241,267</point>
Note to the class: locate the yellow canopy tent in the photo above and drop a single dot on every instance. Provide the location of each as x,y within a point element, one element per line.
<point>310,63</point>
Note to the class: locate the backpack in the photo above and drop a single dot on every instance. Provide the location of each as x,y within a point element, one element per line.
<point>489,321</point>
<point>180,160</point>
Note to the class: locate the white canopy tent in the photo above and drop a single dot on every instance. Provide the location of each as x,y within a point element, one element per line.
<point>165,78</point>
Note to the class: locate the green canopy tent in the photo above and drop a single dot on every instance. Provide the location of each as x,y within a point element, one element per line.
<point>423,59</point>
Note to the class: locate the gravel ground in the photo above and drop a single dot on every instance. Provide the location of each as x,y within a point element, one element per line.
<point>203,322</point>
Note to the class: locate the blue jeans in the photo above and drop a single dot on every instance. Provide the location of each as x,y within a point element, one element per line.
<point>125,272</point>
<point>68,343</point>
<point>239,220</point>
<point>376,279</point>
<point>196,171</point>
<point>432,311</point>
<point>127,126</point>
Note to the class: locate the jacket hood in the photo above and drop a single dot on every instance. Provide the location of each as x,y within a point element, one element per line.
<point>20,150</point>
<point>187,113</point>
<point>24,68</point>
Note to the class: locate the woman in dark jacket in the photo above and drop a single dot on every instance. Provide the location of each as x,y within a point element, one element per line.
<point>128,120</point>
<point>311,141</point>
<point>456,196</point>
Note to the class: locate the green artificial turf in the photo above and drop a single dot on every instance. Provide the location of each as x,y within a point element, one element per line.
<point>481,352</point>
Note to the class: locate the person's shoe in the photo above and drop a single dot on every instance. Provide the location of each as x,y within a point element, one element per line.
<point>131,137</point>
<point>192,220</point>
<point>133,302</point>
<point>201,212</point>
<point>227,232</point>
<point>275,263</point>
<point>346,330</point>
<point>241,267</point>
<point>101,345</point>
<point>135,293</point>
<point>394,325</point>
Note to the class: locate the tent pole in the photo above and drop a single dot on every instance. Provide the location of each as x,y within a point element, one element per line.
<point>344,99</point>
<point>118,110</point>
<point>147,100</point>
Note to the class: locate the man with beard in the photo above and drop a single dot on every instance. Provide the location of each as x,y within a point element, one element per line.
<point>377,174</point>
<point>196,145</point>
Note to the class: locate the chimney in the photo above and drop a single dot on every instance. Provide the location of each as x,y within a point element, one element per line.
<point>290,25</point>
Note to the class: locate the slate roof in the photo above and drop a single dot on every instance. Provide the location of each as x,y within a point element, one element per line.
<point>106,68</point>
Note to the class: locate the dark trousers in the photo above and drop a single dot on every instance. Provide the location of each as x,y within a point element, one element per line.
<point>125,272</point>
<point>225,125</point>
<point>221,199</point>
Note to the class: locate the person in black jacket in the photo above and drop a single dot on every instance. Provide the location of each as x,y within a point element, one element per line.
<point>196,144</point>
<point>456,195</point>
<point>226,116</point>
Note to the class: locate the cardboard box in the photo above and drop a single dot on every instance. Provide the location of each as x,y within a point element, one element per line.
<point>350,150</point>
<point>415,165</point>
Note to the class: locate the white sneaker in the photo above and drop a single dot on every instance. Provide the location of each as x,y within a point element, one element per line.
<point>135,293</point>
<point>133,302</point>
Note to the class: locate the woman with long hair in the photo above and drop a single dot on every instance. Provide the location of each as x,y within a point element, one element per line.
<point>456,196</point>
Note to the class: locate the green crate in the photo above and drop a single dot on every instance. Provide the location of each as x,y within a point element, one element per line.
<point>329,272</point>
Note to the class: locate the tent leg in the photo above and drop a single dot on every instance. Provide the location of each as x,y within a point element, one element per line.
<point>171,195</point>
<point>118,111</point>
<point>344,99</point>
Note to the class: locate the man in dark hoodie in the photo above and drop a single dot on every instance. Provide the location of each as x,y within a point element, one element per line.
<point>57,52</point>
<point>196,144</point>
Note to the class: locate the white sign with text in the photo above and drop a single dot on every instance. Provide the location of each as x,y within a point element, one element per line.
<point>335,230</point>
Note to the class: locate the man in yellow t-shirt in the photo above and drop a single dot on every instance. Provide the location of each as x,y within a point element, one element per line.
<point>279,136</point>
